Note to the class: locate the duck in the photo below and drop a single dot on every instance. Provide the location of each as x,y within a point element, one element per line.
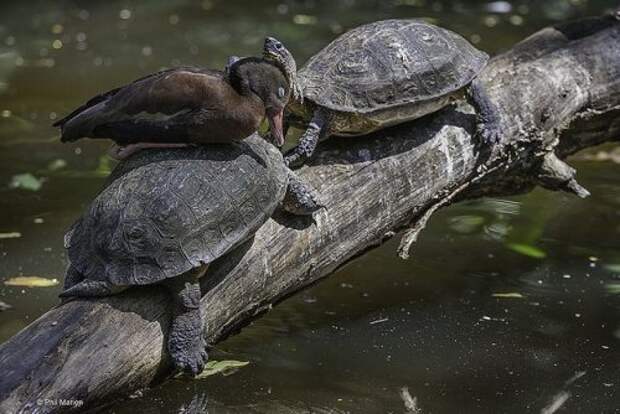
<point>185,106</point>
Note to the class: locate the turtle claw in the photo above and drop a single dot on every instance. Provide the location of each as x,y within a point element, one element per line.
<point>489,135</point>
<point>192,361</point>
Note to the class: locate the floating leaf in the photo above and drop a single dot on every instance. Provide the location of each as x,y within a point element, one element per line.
<point>57,164</point>
<point>612,155</point>
<point>498,231</point>
<point>26,181</point>
<point>614,267</point>
<point>613,288</point>
<point>304,19</point>
<point>510,295</point>
<point>31,281</point>
<point>11,235</point>
<point>527,250</point>
<point>4,306</point>
<point>466,224</point>
<point>226,367</point>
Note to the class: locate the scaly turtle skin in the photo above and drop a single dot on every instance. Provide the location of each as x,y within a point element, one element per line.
<point>164,216</point>
<point>275,51</point>
<point>382,74</point>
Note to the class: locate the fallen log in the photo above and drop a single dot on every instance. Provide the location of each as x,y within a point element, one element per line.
<point>558,92</point>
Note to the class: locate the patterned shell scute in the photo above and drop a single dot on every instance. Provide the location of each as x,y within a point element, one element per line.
<point>166,212</point>
<point>390,63</point>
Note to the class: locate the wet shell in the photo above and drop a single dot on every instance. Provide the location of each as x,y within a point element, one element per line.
<point>388,64</point>
<point>166,212</point>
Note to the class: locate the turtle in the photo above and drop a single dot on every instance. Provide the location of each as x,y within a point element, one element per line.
<point>165,215</point>
<point>382,74</point>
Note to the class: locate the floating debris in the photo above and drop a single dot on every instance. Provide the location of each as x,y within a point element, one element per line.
<point>499,7</point>
<point>57,29</point>
<point>411,403</point>
<point>575,377</point>
<point>11,235</point>
<point>612,155</point>
<point>556,403</point>
<point>466,224</point>
<point>4,306</point>
<point>57,164</point>
<point>304,19</point>
<point>125,14</point>
<point>491,319</point>
<point>26,181</point>
<point>31,281</point>
<point>510,295</point>
<point>379,321</point>
<point>527,250</point>
<point>226,367</point>
<point>516,20</point>
<point>613,288</point>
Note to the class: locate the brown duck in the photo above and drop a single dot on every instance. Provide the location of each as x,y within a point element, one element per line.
<point>185,105</point>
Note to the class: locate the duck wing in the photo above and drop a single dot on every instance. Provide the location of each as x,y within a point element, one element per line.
<point>152,108</point>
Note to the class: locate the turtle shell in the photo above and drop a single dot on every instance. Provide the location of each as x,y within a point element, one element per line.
<point>165,212</point>
<point>387,64</point>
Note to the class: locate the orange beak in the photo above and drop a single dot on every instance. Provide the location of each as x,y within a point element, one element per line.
<point>275,126</point>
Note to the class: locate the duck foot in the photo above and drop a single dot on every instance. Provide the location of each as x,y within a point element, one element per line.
<point>121,152</point>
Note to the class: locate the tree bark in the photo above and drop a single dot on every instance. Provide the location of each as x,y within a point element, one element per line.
<point>558,92</point>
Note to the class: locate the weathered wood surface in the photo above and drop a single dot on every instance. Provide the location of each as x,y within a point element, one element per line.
<point>559,91</point>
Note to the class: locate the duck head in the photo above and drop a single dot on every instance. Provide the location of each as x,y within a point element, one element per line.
<point>264,81</point>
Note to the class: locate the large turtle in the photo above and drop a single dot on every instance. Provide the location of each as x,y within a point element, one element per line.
<point>164,216</point>
<point>381,74</point>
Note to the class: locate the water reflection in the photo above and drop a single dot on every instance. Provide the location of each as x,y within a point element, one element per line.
<point>352,342</point>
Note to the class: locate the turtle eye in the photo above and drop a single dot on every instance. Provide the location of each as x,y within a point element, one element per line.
<point>278,45</point>
<point>281,92</point>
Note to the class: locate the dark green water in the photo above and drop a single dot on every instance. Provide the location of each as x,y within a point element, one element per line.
<point>350,343</point>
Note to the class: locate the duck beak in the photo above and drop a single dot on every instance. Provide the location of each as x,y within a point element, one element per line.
<point>275,126</point>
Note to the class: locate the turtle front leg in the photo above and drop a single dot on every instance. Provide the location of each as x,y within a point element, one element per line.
<point>300,198</point>
<point>317,130</point>
<point>186,343</point>
<point>489,127</point>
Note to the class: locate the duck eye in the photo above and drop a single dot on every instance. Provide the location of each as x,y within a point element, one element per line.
<point>281,92</point>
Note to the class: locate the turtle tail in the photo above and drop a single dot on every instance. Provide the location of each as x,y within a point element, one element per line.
<point>92,288</point>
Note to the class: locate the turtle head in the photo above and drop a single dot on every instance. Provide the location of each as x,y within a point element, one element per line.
<point>265,81</point>
<point>274,51</point>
